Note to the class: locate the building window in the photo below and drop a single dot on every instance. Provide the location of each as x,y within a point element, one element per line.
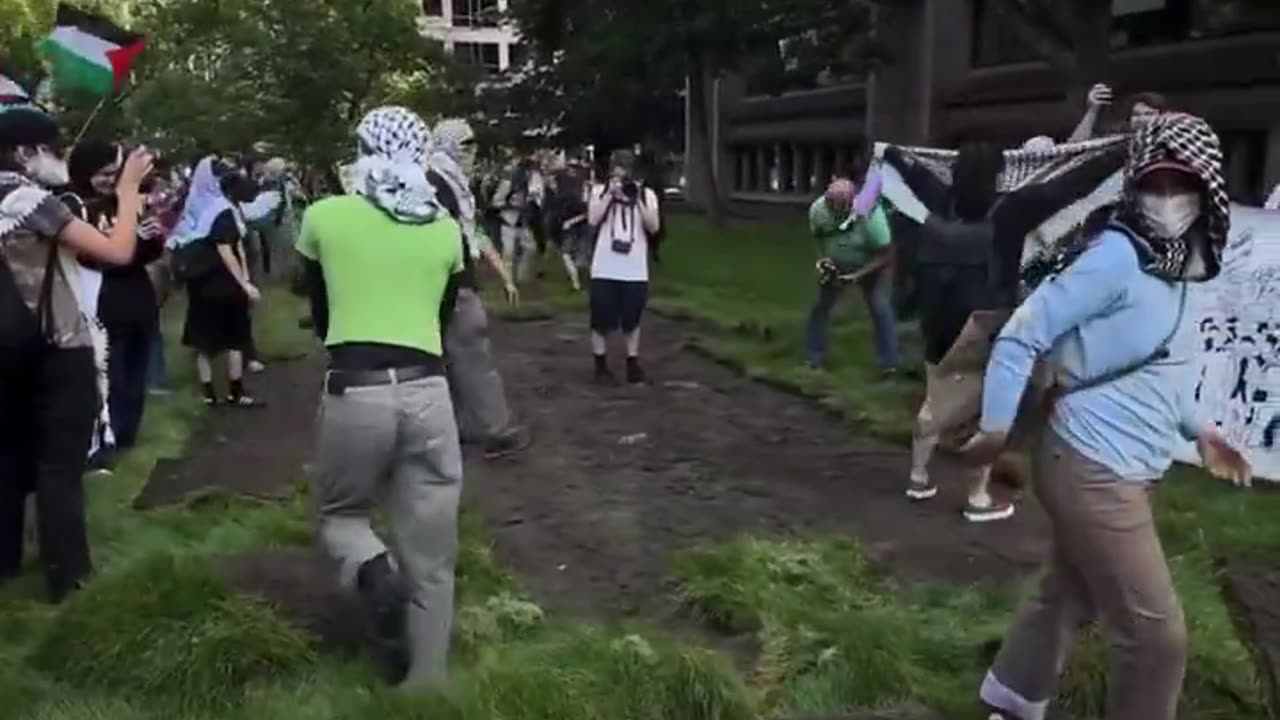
<point>475,13</point>
<point>480,55</point>
<point>519,55</point>
<point>1135,23</point>
<point>433,8</point>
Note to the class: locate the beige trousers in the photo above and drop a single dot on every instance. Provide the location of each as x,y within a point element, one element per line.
<point>1106,565</point>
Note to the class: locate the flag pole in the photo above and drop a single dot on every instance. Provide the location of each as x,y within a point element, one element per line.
<point>85,128</point>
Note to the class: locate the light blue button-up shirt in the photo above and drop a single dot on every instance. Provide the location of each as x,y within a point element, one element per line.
<point>1101,314</point>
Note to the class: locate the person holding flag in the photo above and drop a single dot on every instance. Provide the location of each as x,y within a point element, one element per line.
<point>48,389</point>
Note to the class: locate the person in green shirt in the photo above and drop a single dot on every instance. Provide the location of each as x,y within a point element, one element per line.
<point>382,264</point>
<point>857,252</point>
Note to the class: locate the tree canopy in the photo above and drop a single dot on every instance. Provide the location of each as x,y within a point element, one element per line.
<point>235,74</point>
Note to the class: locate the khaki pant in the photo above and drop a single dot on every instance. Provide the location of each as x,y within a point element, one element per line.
<point>396,446</point>
<point>1107,565</point>
<point>953,394</point>
<point>478,393</point>
<point>953,397</point>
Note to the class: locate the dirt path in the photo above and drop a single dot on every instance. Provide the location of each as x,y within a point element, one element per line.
<point>621,478</point>
<point>256,452</point>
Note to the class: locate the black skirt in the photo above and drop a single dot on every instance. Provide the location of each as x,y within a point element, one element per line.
<point>217,316</point>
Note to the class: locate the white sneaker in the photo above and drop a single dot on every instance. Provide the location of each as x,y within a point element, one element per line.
<point>921,491</point>
<point>994,512</point>
<point>256,366</point>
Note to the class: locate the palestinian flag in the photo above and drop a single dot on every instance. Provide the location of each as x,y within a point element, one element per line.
<point>89,52</point>
<point>11,93</point>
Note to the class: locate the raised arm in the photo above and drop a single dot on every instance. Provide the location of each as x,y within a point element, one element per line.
<point>1022,211</point>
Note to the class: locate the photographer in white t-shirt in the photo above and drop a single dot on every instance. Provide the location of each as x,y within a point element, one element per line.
<point>626,215</point>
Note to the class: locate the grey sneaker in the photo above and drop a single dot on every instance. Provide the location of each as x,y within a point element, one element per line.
<point>514,441</point>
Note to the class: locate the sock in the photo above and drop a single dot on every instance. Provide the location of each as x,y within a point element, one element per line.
<point>209,392</point>
<point>237,389</point>
<point>980,500</point>
<point>602,363</point>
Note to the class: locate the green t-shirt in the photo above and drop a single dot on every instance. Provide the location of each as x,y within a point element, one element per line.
<point>385,279</point>
<point>853,248</point>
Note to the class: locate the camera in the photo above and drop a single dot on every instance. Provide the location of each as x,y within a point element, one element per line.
<point>630,190</point>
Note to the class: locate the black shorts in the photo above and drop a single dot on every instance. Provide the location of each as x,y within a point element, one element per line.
<point>617,305</point>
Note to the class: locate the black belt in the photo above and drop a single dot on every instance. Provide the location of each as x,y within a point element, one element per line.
<point>337,382</point>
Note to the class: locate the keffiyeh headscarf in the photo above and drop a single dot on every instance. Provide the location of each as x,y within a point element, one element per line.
<point>446,159</point>
<point>1190,144</point>
<point>389,170</point>
<point>1187,142</point>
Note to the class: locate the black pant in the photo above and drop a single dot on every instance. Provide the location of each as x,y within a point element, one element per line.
<point>127,365</point>
<point>48,406</point>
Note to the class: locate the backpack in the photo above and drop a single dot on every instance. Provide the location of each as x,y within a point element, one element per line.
<point>193,261</point>
<point>20,328</point>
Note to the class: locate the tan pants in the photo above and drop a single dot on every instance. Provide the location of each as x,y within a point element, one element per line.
<point>953,394</point>
<point>953,398</point>
<point>1107,565</point>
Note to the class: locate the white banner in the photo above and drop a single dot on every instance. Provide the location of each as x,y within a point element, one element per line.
<point>1237,331</point>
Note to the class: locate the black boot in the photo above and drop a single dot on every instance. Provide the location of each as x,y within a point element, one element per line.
<point>635,373</point>
<point>603,375</point>
<point>386,603</point>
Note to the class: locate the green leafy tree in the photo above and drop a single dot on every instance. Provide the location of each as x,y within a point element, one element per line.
<point>616,45</point>
<point>295,76</point>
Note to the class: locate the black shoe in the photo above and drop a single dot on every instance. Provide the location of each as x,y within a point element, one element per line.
<point>386,603</point>
<point>605,377</point>
<point>102,462</point>
<point>635,373</point>
<point>513,442</point>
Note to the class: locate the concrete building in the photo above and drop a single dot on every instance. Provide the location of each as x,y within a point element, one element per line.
<point>960,72</point>
<point>474,31</point>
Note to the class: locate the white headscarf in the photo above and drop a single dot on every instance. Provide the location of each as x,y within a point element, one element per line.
<point>446,160</point>
<point>204,203</point>
<point>389,170</point>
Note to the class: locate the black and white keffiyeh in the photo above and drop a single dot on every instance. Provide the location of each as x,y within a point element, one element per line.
<point>19,197</point>
<point>389,171</point>
<point>1184,141</point>
<point>446,159</point>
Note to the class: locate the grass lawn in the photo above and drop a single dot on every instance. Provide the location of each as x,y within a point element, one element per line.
<point>157,636</point>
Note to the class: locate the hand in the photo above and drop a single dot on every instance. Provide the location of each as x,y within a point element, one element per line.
<point>1100,95</point>
<point>1224,461</point>
<point>255,295</point>
<point>150,229</point>
<point>136,169</point>
<point>983,448</point>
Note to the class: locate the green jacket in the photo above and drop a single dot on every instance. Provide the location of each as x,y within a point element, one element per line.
<point>850,249</point>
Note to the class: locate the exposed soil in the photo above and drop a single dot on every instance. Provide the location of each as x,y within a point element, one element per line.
<point>618,480</point>
<point>257,452</point>
<point>621,478</point>
<point>1253,592</point>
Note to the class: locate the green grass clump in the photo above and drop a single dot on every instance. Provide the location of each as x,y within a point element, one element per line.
<point>165,628</point>
<point>586,674</point>
<point>836,636</point>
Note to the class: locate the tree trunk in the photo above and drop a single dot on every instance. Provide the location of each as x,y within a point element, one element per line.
<point>700,139</point>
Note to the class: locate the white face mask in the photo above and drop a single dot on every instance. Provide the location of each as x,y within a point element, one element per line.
<point>48,169</point>
<point>1170,216</point>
